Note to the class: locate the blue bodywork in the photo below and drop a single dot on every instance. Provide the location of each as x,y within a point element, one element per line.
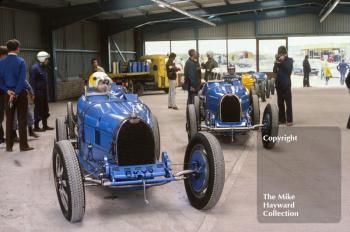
<point>99,118</point>
<point>212,95</point>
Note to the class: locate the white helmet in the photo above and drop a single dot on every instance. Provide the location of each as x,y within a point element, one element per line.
<point>42,56</point>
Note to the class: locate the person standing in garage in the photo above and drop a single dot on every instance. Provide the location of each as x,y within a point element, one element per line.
<point>13,83</point>
<point>192,80</point>
<point>3,54</point>
<point>38,81</point>
<point>209,66</point>
<point>343,68</point>
<point>171,72</point>
<point>306,71</point>
<point>283,67</point>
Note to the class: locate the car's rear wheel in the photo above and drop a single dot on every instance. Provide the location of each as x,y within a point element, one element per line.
<point>263,91</point>
<point>268,90</point>
<point>270,126</point>
<point>204,187</point>
<point>272,86</point>
<point>156,136</point>
<point>197,108</point>
<point>68,181</point>
<point>61,129</point>
<point>191,124</point>
<point>255,110</point>
<point>71,120</point>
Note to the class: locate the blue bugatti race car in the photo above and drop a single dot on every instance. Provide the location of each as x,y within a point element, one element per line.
<point>263,85</point>
<point>113,140</point>
<point>227,107</point>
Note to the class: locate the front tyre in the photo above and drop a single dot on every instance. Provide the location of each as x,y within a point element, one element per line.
<point>61,129</point>
<point>255,110</point>
<point>68,181</point>
<point>263,91</point>
<point>270,126</point>
<point>268,88</point>
<point>205,186</point>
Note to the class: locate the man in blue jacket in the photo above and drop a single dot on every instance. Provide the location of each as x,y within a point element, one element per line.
<point>191,73</point>
<point>283,67</point>
<point>13,83</point>
<point>343,67</point>
<point>38,81</point>
<point>3,54</point>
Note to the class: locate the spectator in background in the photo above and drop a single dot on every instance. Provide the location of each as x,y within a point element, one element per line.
<point>209,66</point>
<point>192,80</point>
<point>95,67</point>
<point>171,72</point>
<point>283,67</point>
<point>38,81</point>
<point>3,54</point>
<point>343,68</point>
<point>13,82</point>
<point>306,71</point>
<point>326,71</point>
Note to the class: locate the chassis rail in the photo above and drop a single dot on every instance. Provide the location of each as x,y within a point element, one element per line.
<point>223,129</point>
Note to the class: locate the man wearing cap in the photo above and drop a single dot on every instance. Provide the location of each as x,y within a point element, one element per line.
<point>38,81</point>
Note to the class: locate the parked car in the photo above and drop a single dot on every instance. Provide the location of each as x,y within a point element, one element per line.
<point>114,141</point>
<point>226,107</point>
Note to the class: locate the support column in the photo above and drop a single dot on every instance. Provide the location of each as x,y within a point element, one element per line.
<point>105,49</point>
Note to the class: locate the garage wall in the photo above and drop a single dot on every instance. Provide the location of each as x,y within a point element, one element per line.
<point>125,42</point>
<point>75,45</point>
<point>24,26</point>
<point>307,24</point>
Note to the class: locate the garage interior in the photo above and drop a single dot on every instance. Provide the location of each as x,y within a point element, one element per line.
<point>117,31</point>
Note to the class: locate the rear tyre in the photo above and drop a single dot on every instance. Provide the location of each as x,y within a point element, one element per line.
<point>268,90</point>
<point>255,111</point>
<point>272,87</point>
<point>71,119</point>
<point>270,125</point>
<point>263,91</point>
<point>61,129</point>
<point>156,136</point>
<point>197,108</point>
<point>205,186</point>
<point>191,125</point>
<point>68,181</point>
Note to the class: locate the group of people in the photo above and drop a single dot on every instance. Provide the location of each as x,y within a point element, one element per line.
<point>343,68</point>
<point>283,68</point>
<point>18,96</point>
<point>192,73</point>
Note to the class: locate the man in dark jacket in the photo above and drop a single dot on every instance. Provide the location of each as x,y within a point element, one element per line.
<point>38,81</point>
<point>307,71</point>
<point>191,73</point>
<point>283,67</point>
<point>3,54</point>
<point>13,76</point>
<point>209,66</point>
<point>171,70</point>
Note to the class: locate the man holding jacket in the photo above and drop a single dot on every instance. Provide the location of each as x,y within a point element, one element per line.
<point>283,67</point>
<point>12,82</point>
<point>191,73</point>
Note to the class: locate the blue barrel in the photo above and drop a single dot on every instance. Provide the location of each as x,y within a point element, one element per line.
<point>148,67</point>
<point>139,66</point>
<point>134,66</point>
<point>130,66</point>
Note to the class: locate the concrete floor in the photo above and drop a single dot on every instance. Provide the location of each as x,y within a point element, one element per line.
<point>28,200</point>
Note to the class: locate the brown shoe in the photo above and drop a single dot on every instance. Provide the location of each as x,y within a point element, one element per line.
<point>38,129</point>
<point>27,149</point>
<point>32,133</point>
<point>175,108</point>
<point>289,124</point>
<point>45,128</point>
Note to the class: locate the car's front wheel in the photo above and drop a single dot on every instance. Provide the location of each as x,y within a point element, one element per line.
<point>204,187</point>
<point>270,126</point>
<point>68,181</point>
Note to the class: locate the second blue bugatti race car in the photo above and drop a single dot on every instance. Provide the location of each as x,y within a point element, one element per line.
<point>227,107</point>
<point>114,141</point>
